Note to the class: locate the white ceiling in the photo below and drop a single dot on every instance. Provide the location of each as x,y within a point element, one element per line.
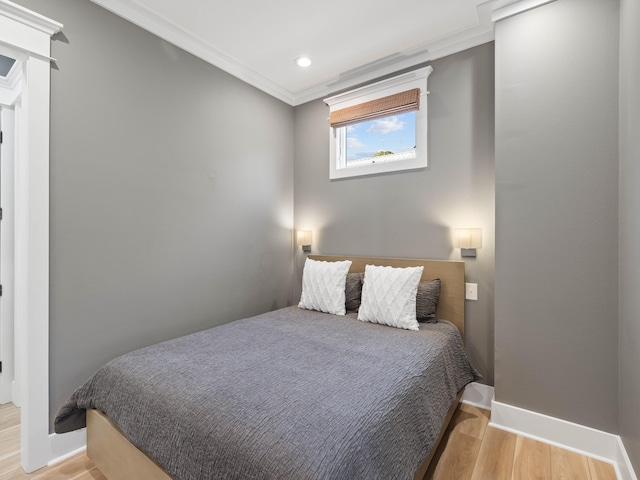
<point>348,41</point>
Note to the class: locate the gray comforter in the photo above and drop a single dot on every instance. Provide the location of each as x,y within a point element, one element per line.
<point>291,394</point>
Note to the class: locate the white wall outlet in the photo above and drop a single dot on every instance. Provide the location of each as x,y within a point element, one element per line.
<point>472,291</point>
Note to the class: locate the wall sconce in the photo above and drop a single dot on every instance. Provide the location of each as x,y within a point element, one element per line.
<point>468,240</point>
<point>304,238</point>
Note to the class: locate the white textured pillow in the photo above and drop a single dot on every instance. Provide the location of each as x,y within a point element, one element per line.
<point>323,285</point>
<point>389,296</point>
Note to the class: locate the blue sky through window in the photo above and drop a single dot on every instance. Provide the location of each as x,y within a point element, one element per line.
<point>396,134</point>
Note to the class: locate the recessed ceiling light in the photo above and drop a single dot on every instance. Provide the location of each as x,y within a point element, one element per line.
<point>303,61</point>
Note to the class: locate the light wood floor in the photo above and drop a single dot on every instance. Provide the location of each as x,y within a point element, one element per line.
<point>470,450</point>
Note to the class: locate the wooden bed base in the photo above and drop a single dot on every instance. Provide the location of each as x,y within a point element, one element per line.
<point>114,455</point>
<point>119,459</point>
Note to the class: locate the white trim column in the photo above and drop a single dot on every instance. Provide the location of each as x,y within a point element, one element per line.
<point>32,262</point>
<point>30,34</point>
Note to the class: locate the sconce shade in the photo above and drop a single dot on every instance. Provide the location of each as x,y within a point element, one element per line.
<point>467,238</point>
<point>304,237</point>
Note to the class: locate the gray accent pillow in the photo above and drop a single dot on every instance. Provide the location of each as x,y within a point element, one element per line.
<point>353,291</point>
<point>427,300</point>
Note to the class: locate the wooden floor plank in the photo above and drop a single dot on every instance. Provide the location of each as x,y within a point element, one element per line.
<point>9,417</point>
<point>601,470</point>
<point>495,459</point>
<point>9,462</point>
<point>532,460</point>
<point>10,441</point>
<point>93,474</point>
<point>470,420</point>
<point>457,458</point>
<point>566,465</point>
<point>17,474</point>
<point>7,406</point>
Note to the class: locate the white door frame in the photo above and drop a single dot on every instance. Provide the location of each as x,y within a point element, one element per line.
<point>29,34</point>
<point>7,237</point>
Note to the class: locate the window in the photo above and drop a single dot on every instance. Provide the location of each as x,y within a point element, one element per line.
<point>386,139</point>
<point>380,128</point>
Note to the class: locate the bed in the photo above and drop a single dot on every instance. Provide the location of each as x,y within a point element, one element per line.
<point>290,394</point>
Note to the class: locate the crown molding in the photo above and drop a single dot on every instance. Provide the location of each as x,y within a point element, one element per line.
<point>27,17</point>
<point>489,11</point>
<point>166,29</point>
<point>516,8</point>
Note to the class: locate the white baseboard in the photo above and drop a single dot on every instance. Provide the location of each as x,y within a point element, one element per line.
<point>570,436</point>
<point>67,445</point>
<point>478,395</point>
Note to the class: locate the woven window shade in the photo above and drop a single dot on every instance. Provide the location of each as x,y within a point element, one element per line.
<point>381,107</point>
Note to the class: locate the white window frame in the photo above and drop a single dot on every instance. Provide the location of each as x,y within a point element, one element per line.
<point>337,136</point>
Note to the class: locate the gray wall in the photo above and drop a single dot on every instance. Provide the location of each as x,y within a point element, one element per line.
<point>630,228</point>
<point>171,194</point>
<point>556,171</point>
<point>411,214</point>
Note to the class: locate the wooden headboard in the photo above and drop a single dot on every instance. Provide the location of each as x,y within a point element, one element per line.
<point>450,273</point>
